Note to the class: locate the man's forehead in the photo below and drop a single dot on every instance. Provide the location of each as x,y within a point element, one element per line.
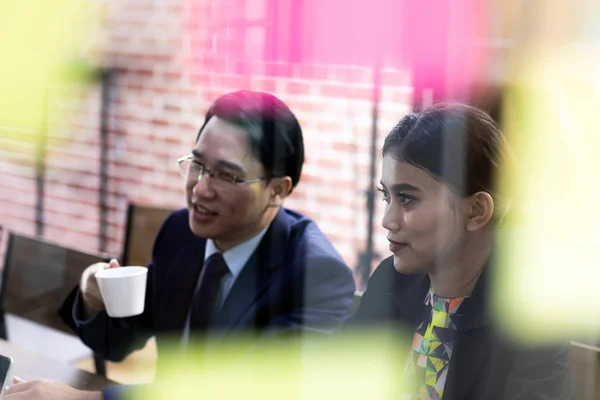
<point>225,141</point>
<point>220,130</point>
<point>240,162</point>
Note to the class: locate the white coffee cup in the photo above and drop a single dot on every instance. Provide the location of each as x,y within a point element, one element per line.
<point>123,290</point>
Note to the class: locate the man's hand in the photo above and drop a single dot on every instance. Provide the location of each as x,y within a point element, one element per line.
<point>92,299</point>
<point>44,389</point>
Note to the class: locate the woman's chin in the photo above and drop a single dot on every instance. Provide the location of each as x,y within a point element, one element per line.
<point>405,266</point>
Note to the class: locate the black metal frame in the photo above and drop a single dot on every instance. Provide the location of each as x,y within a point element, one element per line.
<point>40,167</point>
<point>106,78</point>
<point>106,82</point>
<point>5,273</point>
<point>366,257</point>
<point>128,227</point>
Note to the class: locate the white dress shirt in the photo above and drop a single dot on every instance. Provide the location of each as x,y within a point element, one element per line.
<point>236,258</point>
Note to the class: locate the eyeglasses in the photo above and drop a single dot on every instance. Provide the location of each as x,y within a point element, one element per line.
<point>193,170</point>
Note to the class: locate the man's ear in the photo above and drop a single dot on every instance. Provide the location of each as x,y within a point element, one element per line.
<point>480,211</point>
<point>280,189</point>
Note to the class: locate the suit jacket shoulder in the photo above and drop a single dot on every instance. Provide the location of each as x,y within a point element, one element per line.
<point>306,236</point>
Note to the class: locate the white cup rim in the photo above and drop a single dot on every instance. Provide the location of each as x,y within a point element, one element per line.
<point>131,272</point>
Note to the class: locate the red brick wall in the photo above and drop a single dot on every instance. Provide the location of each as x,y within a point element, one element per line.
<point>161,91</point>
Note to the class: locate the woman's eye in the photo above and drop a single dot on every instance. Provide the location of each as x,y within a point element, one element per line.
<point>404,199</point>
<point>385,196</point>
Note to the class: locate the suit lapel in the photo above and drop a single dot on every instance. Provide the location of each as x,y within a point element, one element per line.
<point>183,274</point>
<point>252,282</point>
<point>409,298</point>
<point>473,344</point>
<point>257,276</point>
<point>468,361</point>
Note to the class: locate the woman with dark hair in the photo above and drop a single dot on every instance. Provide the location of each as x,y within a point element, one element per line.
<point>442,207</point>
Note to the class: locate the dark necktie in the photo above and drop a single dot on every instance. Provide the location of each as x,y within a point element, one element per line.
<point>206,298</point>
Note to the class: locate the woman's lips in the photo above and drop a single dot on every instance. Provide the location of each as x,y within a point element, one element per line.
<point>396,246</point>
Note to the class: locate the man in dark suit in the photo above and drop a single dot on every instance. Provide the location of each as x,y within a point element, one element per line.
<point>235,261</point>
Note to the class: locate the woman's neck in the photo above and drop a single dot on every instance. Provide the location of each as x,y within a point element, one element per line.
<point>457,275</point>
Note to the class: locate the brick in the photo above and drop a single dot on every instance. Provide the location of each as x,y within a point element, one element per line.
<point>148,73</point>
<point>71,192</point>
<point>395,78</point>
<point>201,78</point>
<point>71,238</point>
<point>13,209</point>
<point>24,224</point>
<point>233,82</point>
<point>261,84</point>
<point>212,64</point>
<point>134,86</point>
<point>345,147</point>
<point>298,194</point>
<point>119,38</point>
<point>160,122</point>
<point>157,57</point>
<point>328,198</point>
<point>303,88</point>
<point>175,8</point>
<point>316,179</point>
<point>344,91</point>
<point>334,90</point>
<point>279,69</point>
<point>328,127</point>
<point>402,96</point>
<point>334,237</point>
<point>332,164</point>
<point>308,107</point>
<point>12,195</point>
<point>174,75</point>
<point>350,75</point>
<point>314,72</point>
<point>148,42</point>
<point>17,183</point>
<point>360,76</point>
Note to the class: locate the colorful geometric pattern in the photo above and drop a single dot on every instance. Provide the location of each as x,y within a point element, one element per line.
<point>433,343</point>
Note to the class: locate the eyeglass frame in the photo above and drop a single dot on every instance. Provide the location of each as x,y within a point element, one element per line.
<point>203,169</point>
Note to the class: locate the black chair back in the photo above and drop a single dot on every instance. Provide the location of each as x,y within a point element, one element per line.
<point>143,224</point>
<point>37,278</point>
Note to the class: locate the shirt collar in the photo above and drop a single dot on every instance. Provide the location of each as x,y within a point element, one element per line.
<point>449,305</point>
<point>237,256</point>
